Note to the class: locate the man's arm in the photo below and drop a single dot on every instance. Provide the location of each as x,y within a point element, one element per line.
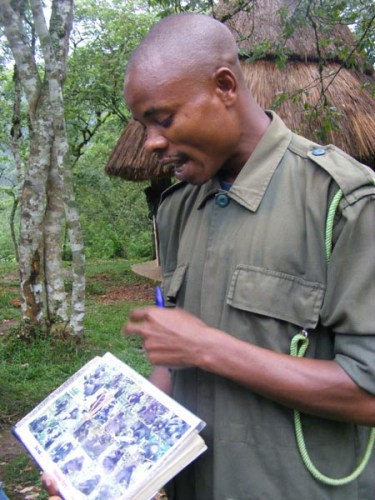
<point>161,377</point>
<point>173,337</point>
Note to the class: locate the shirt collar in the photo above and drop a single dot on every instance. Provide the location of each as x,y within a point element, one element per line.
<point>251,184</point>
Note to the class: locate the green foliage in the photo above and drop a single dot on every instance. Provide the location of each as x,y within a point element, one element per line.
<point>6,246</point>
<point>7,174</point>
<point>6,112</point>
<point>104,35</point>
<point>322,17</point>
<point>31,370</point>
<point>329,118</point>
<point>359,15</point>
<point>113,213</point>
<point>23,467</point>
<point>7,310</point>
<point>167,7</point>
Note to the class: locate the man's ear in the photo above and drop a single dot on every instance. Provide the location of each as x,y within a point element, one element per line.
<point>226,85</point>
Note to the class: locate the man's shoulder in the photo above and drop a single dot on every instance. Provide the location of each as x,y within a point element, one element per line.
<point>178,193</point>
<point>348,173</point>
<point>177,187</point>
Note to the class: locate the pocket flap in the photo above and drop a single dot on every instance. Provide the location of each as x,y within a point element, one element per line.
<point>277,295</point>
<point>173,282</point>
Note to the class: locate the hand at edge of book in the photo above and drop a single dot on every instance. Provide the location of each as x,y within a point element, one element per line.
<point>50,486</point>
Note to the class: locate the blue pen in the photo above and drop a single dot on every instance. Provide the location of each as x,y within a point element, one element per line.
<point>159,299</point>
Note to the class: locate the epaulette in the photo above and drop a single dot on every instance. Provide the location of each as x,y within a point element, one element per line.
<point>172,189</point>
<point>353,178</point>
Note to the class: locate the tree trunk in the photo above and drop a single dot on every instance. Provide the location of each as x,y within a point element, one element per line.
<point>33,209</point>
<point>47,194</point>
<point>12,225</point>
<point>16,134</point>
<point>54,278</point>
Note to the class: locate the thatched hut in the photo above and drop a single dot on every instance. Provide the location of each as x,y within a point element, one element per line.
<point>311,74</point>
<point>130,161</point>
<point>320,90</point>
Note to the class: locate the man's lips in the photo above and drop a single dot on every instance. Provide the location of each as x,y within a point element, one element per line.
<point>175,161</point>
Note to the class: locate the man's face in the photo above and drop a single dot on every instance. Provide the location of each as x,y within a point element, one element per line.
<point>187,123</point>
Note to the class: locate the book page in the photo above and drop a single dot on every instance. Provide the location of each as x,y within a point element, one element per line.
<point>107,432</point>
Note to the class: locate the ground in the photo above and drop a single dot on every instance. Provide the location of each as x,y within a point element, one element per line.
<point>9,446</point>
<point>141,292</point>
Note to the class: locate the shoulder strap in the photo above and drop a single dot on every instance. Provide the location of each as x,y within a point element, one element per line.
<point>352,177</point>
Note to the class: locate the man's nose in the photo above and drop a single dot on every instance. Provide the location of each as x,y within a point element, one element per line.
<point>155,141</point>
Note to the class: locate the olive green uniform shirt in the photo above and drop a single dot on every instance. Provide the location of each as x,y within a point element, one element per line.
<point>251,262</point>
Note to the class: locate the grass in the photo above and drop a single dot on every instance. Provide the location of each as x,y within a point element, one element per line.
<point>30,371</point>
<point>8,292</point>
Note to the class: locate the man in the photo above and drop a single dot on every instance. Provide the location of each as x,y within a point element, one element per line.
<point>243,259</point>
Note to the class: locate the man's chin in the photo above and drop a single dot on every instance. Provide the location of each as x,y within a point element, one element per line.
<point>190,179</point>
<point>182,172</point>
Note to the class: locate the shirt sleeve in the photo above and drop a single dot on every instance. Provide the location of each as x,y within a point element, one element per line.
<point>356,354</point>
<point>349,304</point>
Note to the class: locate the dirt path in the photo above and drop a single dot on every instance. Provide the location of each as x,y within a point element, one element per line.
<point>9,447</point>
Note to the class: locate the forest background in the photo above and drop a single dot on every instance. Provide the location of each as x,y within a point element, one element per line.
<point>116,229</point>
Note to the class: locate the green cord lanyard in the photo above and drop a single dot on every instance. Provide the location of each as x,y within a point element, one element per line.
<point>298,348</point>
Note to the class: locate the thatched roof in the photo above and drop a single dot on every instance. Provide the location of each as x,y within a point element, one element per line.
<point>351,106</point>
<point>349,102</point>
<point>130,161</point>
<point>259,25</point>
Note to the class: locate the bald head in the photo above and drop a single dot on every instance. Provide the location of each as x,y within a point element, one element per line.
<point>185,85</point>
<point>191,43</point>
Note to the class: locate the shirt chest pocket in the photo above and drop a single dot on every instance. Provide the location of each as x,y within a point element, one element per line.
<point>173,282</point>
<point>277,295</point>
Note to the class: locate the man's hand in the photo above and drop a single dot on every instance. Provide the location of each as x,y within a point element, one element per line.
<point>171,336</point>
<point>50,486</point>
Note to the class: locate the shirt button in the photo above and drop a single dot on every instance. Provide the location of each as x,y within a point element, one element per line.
<point>221,200</point>
<point>318,152</point>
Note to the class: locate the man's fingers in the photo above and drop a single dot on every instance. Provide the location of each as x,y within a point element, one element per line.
<point>140,314</point>
<point>50,486</point>
<point>136,319</point>
<point>131,328</point>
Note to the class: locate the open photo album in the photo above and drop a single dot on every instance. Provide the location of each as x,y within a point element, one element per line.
<point>108,433</point>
